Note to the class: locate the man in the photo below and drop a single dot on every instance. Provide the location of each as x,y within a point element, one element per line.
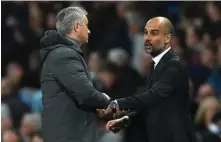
<point>213,131</point>
<point>69,98</point>
<point>165,103</point>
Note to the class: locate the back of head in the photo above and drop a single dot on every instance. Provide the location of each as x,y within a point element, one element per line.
<point>169,28</point>
<point>67,17</point>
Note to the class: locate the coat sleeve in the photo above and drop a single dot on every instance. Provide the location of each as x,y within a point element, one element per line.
<point>170,80</point>
<point>132,114</point>
<point>70,73</point>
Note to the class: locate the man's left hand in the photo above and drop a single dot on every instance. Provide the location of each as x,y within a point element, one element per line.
<point>117,124</point>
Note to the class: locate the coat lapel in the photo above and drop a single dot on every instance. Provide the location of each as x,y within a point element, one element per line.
<point>158,70</point>
<point>163,60</point>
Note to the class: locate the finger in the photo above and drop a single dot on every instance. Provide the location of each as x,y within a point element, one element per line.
<point>119,113</point>
<point>115,115</point>
<point>109,122</point>
<point>107,128</point>
<point>115,129</point>
<point>108,125</point>
<point>100,113</point>
<point>118,109</point>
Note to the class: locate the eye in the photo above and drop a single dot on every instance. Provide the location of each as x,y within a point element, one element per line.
<point>145,33</point>
<point>155,33</point>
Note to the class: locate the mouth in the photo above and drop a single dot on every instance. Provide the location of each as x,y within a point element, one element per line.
<point>148,46</point>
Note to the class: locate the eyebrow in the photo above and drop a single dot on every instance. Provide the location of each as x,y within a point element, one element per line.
<point>151,29</point>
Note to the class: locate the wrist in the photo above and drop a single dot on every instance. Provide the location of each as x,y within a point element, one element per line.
<point>125,120</point>
<point>113,105</point>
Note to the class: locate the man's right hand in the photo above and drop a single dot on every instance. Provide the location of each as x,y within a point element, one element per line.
<point>105,113</point>
<point>110,114</point>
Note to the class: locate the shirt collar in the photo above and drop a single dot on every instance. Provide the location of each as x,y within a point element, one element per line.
<point>214,129</point>
<point>158,57</point>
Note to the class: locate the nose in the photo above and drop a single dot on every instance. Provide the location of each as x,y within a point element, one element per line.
<point>147,37</point>
<point>89,32</point>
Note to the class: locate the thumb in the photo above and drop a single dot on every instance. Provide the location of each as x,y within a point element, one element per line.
<point>108,126</point>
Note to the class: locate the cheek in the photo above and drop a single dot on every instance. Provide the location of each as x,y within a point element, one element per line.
<point>159,42</point>
<point>86,31</point>
<point>211,111</point>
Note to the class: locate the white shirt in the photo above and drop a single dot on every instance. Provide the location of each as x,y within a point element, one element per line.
<point>156,60</point>
<point>158,57</point>
<point>214,129</point>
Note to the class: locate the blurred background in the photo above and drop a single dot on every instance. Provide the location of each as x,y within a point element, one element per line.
<point>116,59</point>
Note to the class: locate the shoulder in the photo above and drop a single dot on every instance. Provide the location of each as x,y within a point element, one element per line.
<point>174,63</point>
<point>63,52</point>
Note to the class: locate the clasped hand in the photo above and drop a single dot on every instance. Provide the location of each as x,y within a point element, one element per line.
<point>115,123</point>
<point>109,113</point>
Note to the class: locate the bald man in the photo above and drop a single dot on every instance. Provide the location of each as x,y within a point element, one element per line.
<point>165,103</point>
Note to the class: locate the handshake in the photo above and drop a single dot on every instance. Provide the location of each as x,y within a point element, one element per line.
<point>116,118</point>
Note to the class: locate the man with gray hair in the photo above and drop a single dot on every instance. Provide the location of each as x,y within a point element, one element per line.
<point>69,97</point>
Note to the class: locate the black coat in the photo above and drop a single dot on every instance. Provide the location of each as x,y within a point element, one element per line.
<point>69,97</point>
<point>208,136</point>
<point>165,104</point>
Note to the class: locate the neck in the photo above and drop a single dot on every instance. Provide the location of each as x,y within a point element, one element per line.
<point>75,40</point>
<point>158,53</point>
<point>73,36</point>
<point>167,46</point>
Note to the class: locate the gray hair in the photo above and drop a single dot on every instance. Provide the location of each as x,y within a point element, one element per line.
<point>67,17</point>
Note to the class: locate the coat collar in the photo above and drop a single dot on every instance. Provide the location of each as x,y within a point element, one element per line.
<point>165,58</point>
<point>159,57</point>
<point>77,43</point>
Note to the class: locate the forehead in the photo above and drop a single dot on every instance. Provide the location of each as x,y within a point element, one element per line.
<point>85,19</point>
<point>153,25</point>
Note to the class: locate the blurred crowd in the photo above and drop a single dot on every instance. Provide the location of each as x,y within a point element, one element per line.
<point>116,59</point>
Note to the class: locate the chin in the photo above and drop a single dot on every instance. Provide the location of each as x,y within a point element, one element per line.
<point>86,41</point>
<point>148,51</point>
